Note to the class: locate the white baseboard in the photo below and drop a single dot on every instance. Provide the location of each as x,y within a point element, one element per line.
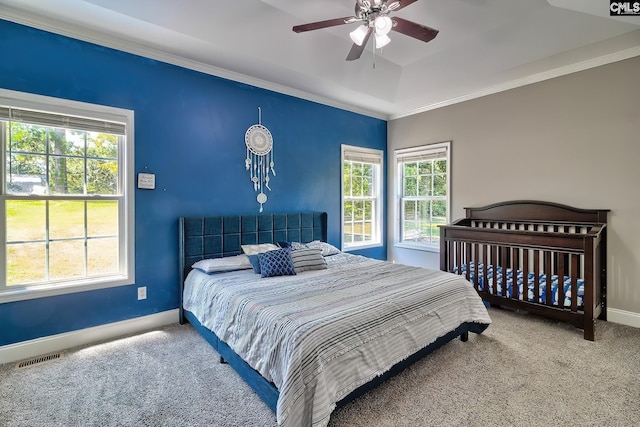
<point>628,318</point>
<point>26,349</point>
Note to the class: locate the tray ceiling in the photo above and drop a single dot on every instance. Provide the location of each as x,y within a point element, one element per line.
<point>484,46</point>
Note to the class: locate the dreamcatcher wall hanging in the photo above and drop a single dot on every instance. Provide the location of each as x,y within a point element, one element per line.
<point>259,161</point>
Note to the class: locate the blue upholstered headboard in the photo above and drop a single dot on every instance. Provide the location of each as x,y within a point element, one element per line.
<point>220,236</point>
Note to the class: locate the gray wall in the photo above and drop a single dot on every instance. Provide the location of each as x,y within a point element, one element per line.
<point>573,140</point>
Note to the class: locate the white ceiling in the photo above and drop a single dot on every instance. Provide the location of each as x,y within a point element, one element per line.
<point>484,46</point>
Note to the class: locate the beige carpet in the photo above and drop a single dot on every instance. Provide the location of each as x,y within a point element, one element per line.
<point>523,371</point>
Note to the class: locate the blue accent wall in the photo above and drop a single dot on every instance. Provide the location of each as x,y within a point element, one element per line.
<point>189,131</point>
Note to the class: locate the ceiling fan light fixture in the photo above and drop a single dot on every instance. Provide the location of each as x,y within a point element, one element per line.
<point>383,25</point>
<point>359,34</point>
<point>382,40</point>
<point>375,20</point>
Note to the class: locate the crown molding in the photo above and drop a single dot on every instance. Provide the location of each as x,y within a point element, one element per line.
<point>117,43</point>
<point>534,78</point>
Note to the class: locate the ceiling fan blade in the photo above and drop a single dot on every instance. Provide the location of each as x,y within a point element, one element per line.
<point>405,3</point>
<point>321,24</point>
<point>411,29</point>
<point>356,50</point>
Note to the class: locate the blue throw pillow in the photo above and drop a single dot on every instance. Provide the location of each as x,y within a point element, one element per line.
<point>255,262</point>
<point>276,263</point>
<point>284,244</point>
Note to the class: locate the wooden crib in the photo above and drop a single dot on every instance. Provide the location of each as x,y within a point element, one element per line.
<point>508,251</point>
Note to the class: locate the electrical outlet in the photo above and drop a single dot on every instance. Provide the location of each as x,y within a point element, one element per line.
<point>142,293</point>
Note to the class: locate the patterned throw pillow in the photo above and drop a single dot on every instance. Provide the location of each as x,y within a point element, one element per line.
<point>276,263</point>
<point>308,259</point>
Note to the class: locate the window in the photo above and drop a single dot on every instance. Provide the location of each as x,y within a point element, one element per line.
<point>361,197</point>
<point>65,196</point>
<point>423,194</point>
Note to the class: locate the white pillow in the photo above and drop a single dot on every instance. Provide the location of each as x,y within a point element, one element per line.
<point>326,248</point>
<point>258,249</point>
<point>231,263</point>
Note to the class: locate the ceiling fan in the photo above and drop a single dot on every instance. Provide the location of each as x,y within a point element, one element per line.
<point>374,15</point>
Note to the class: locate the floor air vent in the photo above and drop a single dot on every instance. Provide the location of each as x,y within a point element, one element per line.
<point>38,359</point>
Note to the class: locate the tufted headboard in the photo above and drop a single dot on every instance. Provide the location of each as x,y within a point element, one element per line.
<point>221,236</point>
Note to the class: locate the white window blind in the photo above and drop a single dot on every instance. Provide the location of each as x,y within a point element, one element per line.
<point>63,121</point>
<point>357,154</point>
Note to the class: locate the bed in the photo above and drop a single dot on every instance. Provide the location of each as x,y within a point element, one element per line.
<point>540,257</point>
<point>310,342</point>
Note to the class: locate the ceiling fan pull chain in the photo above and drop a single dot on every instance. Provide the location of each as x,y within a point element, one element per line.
<point>373,48</point>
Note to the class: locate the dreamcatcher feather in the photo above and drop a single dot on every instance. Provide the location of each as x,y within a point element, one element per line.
<point>259,161</point>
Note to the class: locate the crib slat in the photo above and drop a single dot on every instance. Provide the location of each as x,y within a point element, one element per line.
<point>494,266</point>
<point>574,282</point>
<point>547,272</point>
<point>476,261</point>
<point>485,260</point>
<point>515,266</point>
<point>467,260</point>
<point>561,280</point>
<point>525,274</point>
<point>450,250</point>
<point>504,262</point>
<point>459,256</point>
<point>536,276</point>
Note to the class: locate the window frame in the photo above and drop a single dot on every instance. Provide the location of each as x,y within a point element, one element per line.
<point>126,240</point>
<point>400,157</point>
<point>376,158</point>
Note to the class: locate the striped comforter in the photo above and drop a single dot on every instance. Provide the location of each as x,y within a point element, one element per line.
<point>321,334</point>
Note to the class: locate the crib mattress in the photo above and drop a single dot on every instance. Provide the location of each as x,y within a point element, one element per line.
<point>520,280</point>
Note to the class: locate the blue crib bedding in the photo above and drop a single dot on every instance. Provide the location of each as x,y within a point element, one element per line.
<point>520,281</point>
